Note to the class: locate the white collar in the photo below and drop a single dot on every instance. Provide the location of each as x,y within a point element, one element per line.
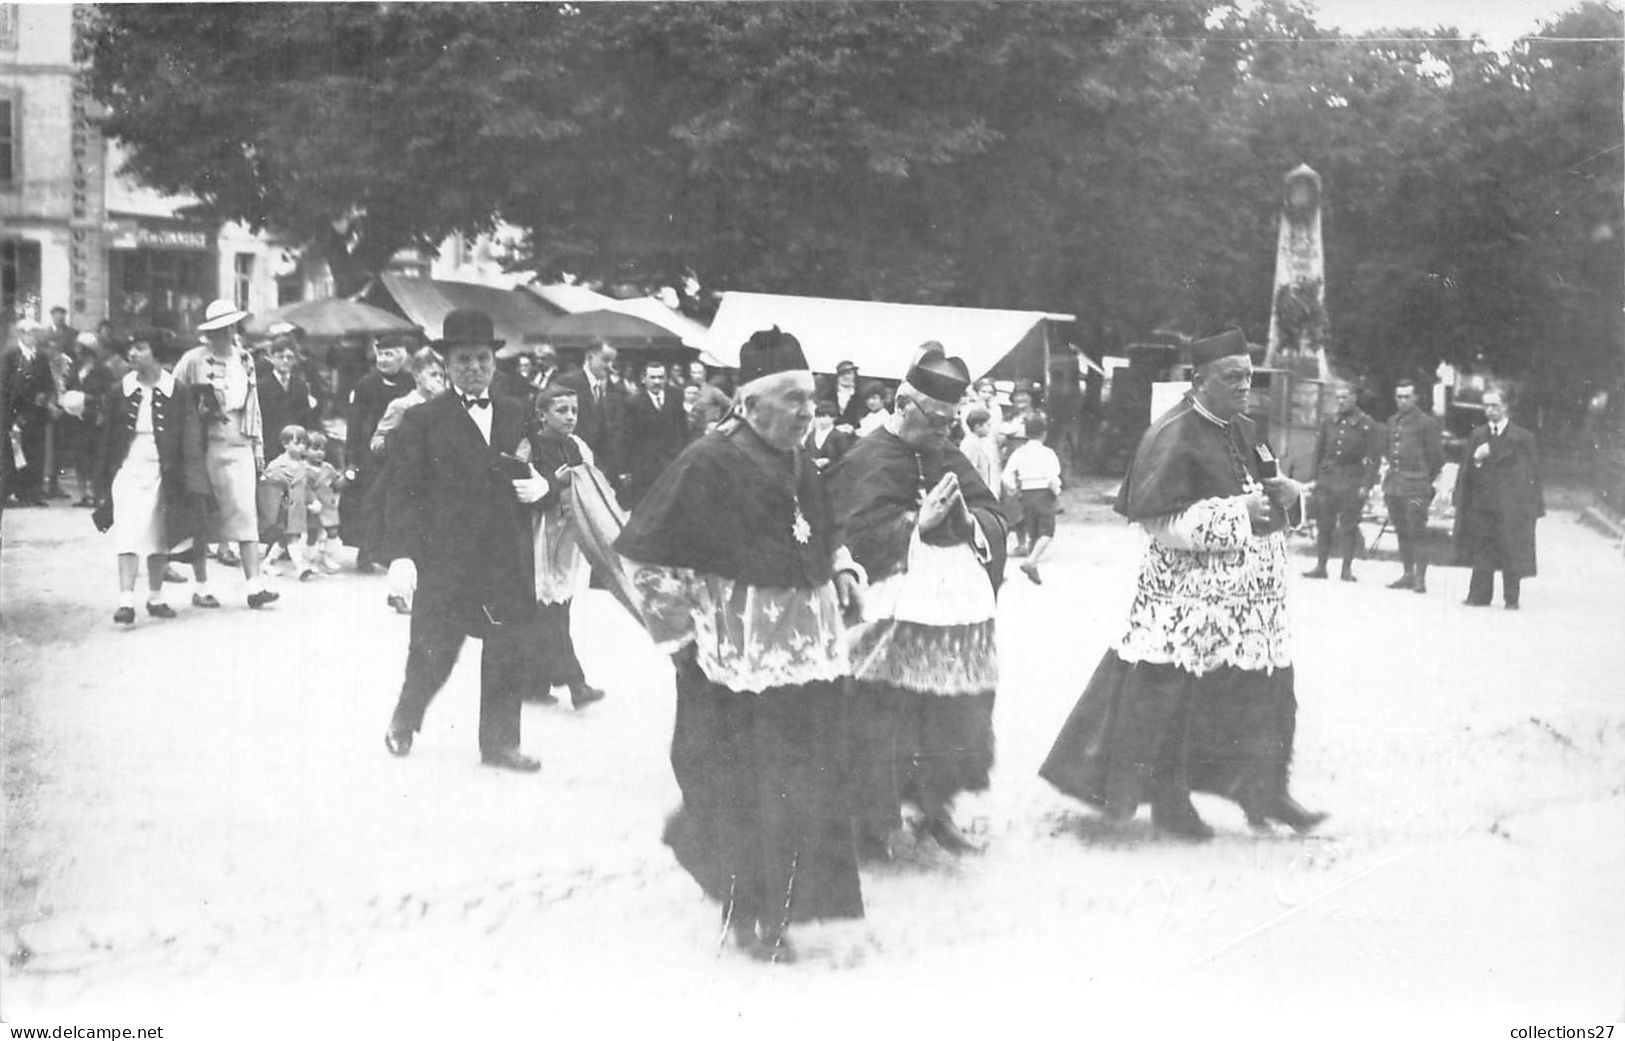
<point>166,383</point>
<point>1205,414</point>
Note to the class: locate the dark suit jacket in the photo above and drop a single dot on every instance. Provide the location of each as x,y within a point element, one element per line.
<point>833,448</point>
<point>597,422</point>
<point>450,508</point>
<point>279,407</point>
<point>651,440</point>
<point>1498,501</point>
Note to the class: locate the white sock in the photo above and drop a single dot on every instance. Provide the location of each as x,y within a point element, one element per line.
<point>126,599</point>
<point>200,587</point>
<point>155,597</point>
<point>256,585</point>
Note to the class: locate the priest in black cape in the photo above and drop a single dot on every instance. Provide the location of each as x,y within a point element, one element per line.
<point>931,538</point>
<point>735,559</point>
<point>1198,694</point>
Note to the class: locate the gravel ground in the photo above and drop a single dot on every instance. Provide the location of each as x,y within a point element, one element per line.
<point>203,831</point>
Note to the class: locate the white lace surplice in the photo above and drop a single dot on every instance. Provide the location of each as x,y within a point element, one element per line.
<point>747,638</point>
<point>1210,593</point>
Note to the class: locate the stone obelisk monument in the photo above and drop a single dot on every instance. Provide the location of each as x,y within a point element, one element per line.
<point>1299,331</point>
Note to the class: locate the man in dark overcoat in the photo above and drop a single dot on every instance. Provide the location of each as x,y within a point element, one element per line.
<point>1498,499</point>
<point>389,380</point>
<point>457,527</point>
<point>654,432</point>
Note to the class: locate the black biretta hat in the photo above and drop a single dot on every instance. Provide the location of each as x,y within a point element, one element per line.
<point>938,376</point>
<point>768,352</point>
<point>1227,344</point>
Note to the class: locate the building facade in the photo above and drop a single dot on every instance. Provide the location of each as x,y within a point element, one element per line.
<point>75,234</point>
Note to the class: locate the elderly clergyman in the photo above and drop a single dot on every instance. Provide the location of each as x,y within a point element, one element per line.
<point>737,562</point>
<point>924,659</point>
<point>1198,692</point>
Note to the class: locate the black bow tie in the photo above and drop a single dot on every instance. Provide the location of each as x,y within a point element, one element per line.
<point>476,402</point>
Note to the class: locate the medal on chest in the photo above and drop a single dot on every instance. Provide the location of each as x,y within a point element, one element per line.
<point>800,530</point>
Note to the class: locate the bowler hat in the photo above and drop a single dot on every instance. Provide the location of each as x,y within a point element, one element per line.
<point>770,351</point>
<point>467,328</point>
<point>220,314</point>
<point>938,376</point>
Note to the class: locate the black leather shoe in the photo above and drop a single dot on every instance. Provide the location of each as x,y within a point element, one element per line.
<point>950,838</point>
<point>1348,576</point>
<point>511,759</point>
<point>204,600</point>
<point>1512,605</point>
<point>398,740</point>
<point>1402,582</point>
<point>584,694</point>
<point>263,597</point>
<point>1315,572</point>
<point>1181,822</point>
<point>1420,585</point>
<point>1470,602</point>
<point>1288,812</point>
<point>124,616</point>
<point>541,697</point>
<point>160,610</point>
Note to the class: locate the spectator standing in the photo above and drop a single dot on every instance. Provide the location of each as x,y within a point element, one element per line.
<point>1348,454</point>
<point>1498,500</point>
<point>371,396</point>
<point>655,431</point>
<point>601,405</point>
<point>826,443</point>
<point>1415,457</point>
<point>30,387</point>
<point>285,394</point>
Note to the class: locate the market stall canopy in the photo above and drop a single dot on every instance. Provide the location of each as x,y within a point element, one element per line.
<point>332,319</point>
<point>517,315</point>
<point>624,332</point>
<point>571,299</point>
<point>881,338</point>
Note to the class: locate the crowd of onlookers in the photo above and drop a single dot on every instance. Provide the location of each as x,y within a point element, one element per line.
<point>282,473</point>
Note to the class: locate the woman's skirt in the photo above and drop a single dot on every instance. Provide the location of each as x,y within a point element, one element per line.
<point>138,501</point>
<point>232,478</point>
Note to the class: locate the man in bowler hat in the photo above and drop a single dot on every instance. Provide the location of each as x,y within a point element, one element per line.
<point>456,526</point>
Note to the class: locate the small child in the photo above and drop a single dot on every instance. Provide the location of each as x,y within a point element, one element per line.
<point>1034,473</point>
<point>325,484</point>
<point>284,499</point>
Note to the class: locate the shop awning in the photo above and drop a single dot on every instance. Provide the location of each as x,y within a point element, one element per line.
<point>882,338</point>
<point>517,315</point>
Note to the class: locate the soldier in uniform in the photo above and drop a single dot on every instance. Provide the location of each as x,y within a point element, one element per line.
<point>1348,453</point>
<point>1415,457</point>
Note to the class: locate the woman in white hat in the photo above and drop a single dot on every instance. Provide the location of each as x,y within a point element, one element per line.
<point>220,375</point>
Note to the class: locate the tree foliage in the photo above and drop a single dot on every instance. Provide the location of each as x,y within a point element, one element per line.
<point>1121,160</point>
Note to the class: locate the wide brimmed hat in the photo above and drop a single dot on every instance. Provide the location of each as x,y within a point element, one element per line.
<point>221,314</point>
<point>1227,344</point>
<point>467,328</point>
<point>938,376</point>
<point>281,329</point>
<point>768,352</point>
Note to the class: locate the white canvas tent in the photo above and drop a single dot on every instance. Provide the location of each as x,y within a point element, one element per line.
<point>882,338</point>
<point>572,299</point>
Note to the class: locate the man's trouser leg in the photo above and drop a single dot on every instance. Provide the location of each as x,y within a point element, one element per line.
<point>432,651</point>
<point>501,672</point>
